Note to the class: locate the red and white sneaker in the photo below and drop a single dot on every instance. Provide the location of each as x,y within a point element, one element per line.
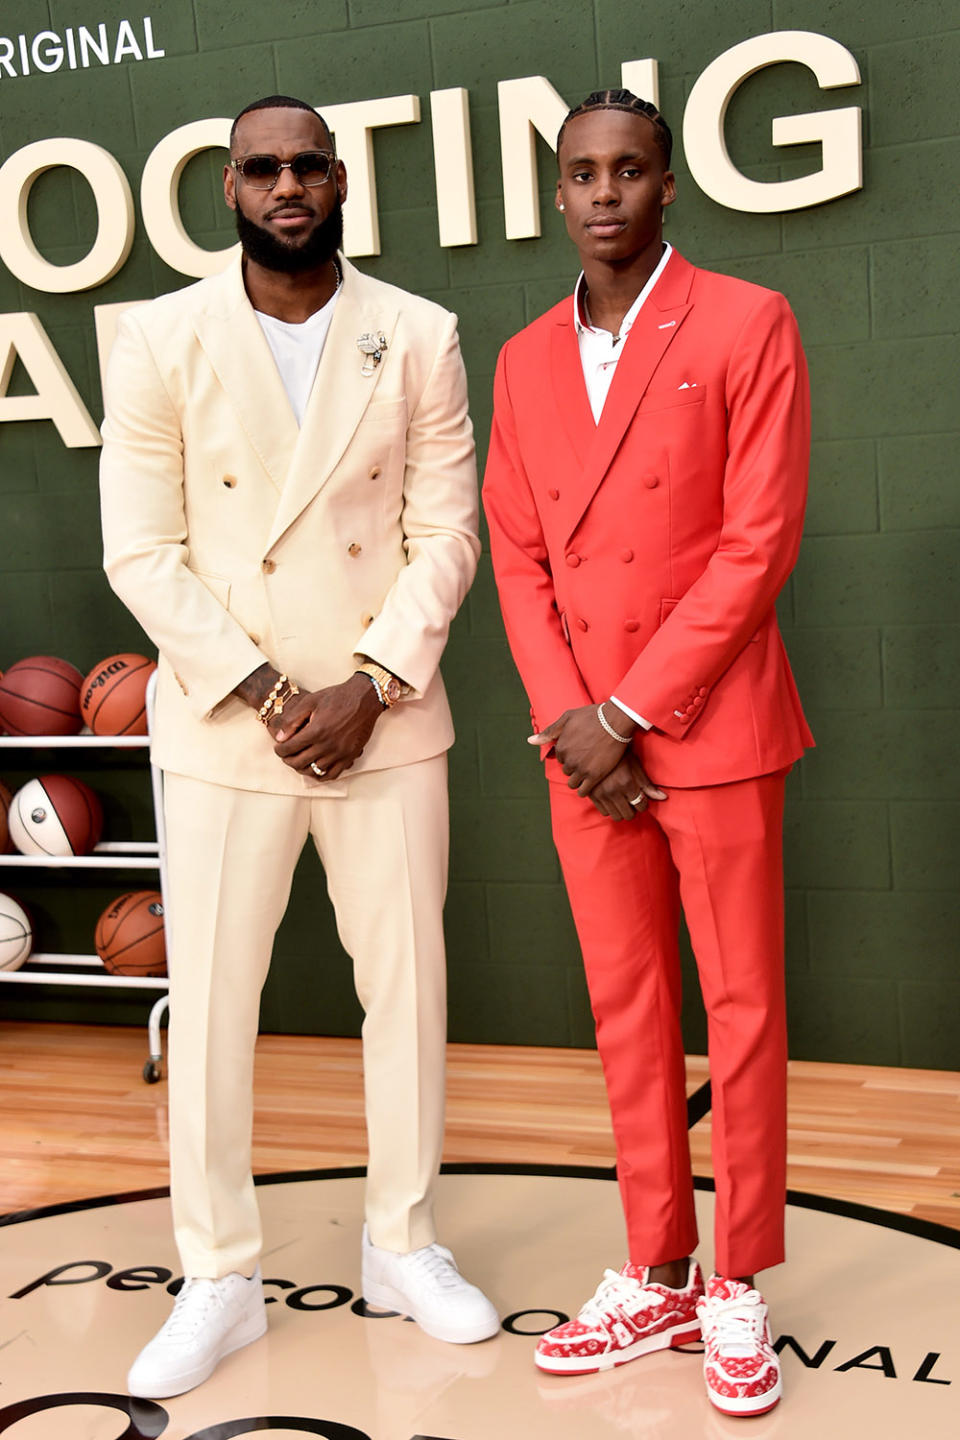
<point>627,1317</point>
<point>740,1366</point>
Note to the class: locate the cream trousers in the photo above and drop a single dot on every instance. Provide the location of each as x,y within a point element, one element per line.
<point>383,840</point>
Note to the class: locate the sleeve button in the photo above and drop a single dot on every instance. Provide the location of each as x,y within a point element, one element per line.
<point>354,549</point>
<point>554,494</point>
<point>626,556</point>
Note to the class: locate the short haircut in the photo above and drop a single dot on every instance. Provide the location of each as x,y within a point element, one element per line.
<point>275,102</point>
<point>624,100</point>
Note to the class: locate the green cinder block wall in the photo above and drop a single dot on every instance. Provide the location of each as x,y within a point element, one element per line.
<point>870,616</point>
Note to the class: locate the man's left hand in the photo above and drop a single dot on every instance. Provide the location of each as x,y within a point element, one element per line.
<point>584,749</point>
<point>327,728</point>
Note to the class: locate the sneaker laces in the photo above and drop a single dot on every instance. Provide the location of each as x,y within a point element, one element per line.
<point>736,1325</point>
<point>435,1265</point>
<point>194,1305</point>
<point>614,1292</point>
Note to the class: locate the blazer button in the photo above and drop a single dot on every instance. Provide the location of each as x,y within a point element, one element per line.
<point>626,556</point>
<point>255,639</point>
<point>366,621</point>
<point>581,624</point>
<point>651,481</point>
<point>374,472</point>
<point>631,626</point>
<point>268,567</point>
<point>229,481</point>
<point>554,494</point>
<point>354,549</point>
<point>573,561</point>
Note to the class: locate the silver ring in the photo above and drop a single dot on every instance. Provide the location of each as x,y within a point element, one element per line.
<point>637,798</point>
<point>316,770</point>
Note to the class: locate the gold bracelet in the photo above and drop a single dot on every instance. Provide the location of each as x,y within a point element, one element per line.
<point>284,699</point>
<point>264,712</point>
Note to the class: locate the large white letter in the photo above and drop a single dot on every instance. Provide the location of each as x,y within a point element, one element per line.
<point>453,167</point>
<point>838,131</point>
<point>528,107</point>
<point>353,125</point>
<point>114,215</point>
<point>643,78</point>
<point>56,398</point>
<point>159,198</point>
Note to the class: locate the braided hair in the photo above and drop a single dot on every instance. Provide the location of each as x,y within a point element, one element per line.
<point>625,100</point>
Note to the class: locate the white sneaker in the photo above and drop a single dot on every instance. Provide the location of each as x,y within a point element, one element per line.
<point>211,1318</point>
<point>426,1285</point>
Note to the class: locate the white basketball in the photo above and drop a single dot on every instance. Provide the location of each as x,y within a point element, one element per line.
<point>34,824</point>
<point>16,934</point>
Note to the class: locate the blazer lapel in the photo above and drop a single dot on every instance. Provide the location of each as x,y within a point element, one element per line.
<point>340,394</point>
<point>237,349</point>
<point>653,332</point>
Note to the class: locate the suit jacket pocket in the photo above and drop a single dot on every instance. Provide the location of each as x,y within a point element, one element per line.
<point>218,586</point>
<point>668,399</point>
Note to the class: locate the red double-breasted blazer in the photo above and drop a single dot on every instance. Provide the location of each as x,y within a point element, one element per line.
<point>642,556</point>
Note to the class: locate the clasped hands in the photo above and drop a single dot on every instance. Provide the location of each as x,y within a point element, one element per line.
<point>614,782</point>
<point>318,730</point>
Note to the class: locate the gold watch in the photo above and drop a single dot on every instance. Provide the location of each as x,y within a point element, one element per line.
<point>389,689</point>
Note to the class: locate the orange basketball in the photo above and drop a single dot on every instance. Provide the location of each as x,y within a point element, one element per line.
<point>113,695</point>
<point>129,935</point>
<point>41,696</point>
<point>6,844</point>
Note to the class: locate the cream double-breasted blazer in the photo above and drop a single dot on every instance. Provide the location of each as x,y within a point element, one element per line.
<point>236,537</point>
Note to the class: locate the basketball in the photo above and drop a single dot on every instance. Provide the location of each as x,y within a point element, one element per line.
<point>113,697</point>
<point>6,844</point>
<point>55,815</point>
<point>16,934</point>
<point>129,935</point>
<point>41,696</point>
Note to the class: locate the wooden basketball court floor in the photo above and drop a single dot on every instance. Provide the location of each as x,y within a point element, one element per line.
<point>527,1203</point>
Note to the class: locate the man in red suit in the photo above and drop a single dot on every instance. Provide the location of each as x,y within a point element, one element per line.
<point>645,492</point>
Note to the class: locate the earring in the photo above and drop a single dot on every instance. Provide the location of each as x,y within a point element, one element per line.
<point>561,207</point>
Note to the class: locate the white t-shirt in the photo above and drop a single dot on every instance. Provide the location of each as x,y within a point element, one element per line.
<point>297,350</point>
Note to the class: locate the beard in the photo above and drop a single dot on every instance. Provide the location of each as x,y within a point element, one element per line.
<point>291,257</point>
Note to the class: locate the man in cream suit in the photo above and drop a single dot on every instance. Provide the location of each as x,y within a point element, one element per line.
<point>289,510</point>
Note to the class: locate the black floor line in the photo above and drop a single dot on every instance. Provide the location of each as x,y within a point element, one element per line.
<point>698,1104</point>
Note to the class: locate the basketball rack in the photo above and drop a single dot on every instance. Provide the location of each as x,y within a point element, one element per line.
<point>42,968</point>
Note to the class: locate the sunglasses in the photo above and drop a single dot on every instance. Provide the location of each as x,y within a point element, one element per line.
<point>310,167</point>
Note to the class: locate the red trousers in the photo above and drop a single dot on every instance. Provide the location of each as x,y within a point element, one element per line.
<point>718,851</point>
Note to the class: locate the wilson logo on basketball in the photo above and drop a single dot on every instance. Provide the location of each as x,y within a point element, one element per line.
<point>114,695</point>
